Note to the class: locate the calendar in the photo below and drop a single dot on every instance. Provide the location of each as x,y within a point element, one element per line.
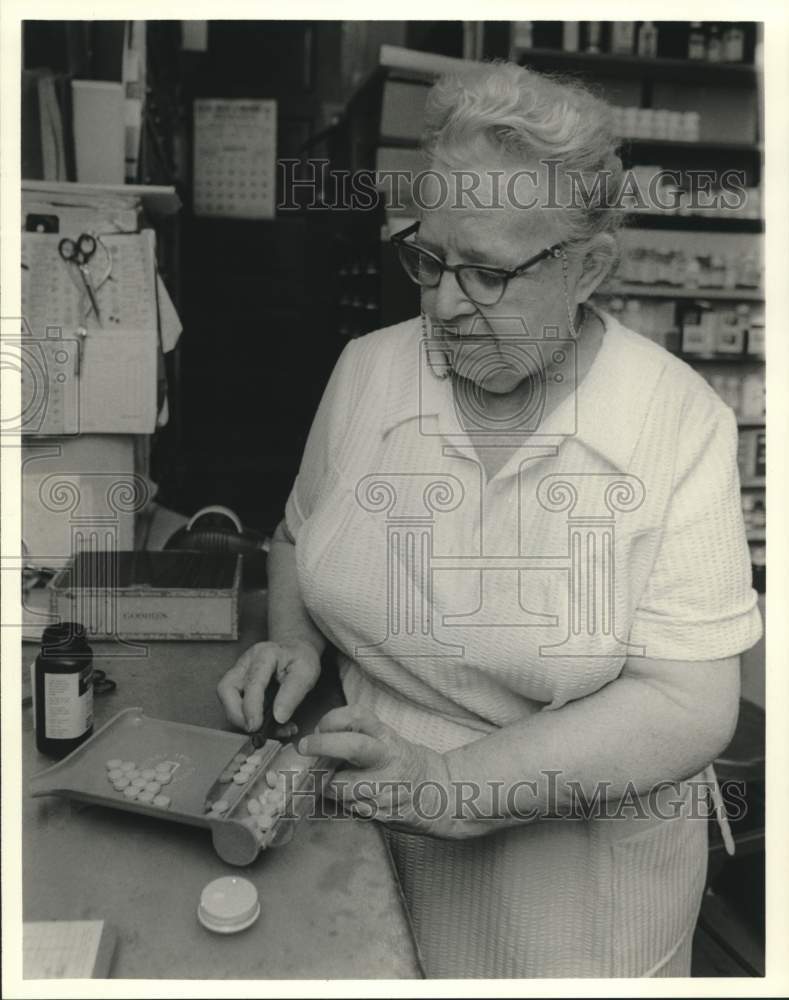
<point>235,158</point>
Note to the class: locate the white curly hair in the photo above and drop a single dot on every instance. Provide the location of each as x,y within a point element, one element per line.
<point>503,110</point>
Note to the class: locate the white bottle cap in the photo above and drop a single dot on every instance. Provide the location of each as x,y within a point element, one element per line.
<point>228,905</point>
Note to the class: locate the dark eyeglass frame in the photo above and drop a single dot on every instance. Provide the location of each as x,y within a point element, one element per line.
<point>457,269</point>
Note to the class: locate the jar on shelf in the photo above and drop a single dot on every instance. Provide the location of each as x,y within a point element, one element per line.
<point>691,126</point>
<point>755,345</point>
<point>734,43</point>
<point>661,123</point>
<point>753,397</point>
<point>730,334</point>
<point>679,268</point>
<point>697,42</point>
<point>714,45</point>
<point>693,273</point>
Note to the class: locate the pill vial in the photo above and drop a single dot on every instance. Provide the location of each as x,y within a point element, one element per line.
<point>63,690</point>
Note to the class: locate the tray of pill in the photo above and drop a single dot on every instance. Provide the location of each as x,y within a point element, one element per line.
<point>165,769</point>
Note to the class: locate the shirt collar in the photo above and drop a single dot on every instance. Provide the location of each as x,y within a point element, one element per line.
<point>611,403</point>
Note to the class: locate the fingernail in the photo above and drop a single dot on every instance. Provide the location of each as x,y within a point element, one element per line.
<point>302,746</point>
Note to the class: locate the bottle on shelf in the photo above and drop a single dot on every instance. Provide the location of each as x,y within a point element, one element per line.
<point>697,43</point>
<point>699,329</point>
<point>730,334</point>
<point>631,315</point>
<point>571,35</point>
<point>747,460</point>
<point>752,403</point>
<point>623,34</point>
<point>593,36</point>
<point>522,38</point>
<point>647,39</point>
<point>756,335</point>
<point>714,45</point>
<point>734,43</point>
<point>758,554</point>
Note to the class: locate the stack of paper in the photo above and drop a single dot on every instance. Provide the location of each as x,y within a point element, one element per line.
<point>67,949</point>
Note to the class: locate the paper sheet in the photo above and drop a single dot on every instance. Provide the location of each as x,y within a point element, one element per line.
<point>170,327</point>
<point>53,293</point>
<point>63,949</point>
<point>117,359</point>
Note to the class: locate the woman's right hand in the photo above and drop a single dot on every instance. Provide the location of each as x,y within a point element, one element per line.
<point>297,667</point>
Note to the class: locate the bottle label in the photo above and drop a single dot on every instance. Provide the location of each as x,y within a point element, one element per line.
<point>68,705</point>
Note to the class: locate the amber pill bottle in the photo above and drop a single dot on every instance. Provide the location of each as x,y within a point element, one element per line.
<point>63,690</point>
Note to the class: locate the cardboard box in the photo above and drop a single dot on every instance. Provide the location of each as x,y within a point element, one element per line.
<point>150,595</point>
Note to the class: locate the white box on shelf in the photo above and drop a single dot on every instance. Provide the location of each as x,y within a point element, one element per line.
<point>99,131</point>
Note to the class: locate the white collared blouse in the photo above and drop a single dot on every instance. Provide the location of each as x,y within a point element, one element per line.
<point>463,604</point>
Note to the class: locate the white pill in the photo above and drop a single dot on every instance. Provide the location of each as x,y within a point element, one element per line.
<point>115,774</point>
<point>144,796</point>
<point>139,782</point>
<point>130,791</point>
<point>149,774</point>
<point>163,769</point>
<point>127,765</point>
<point>114,764</point>
<point>220,806</point>
<point>253,806</point>
<point>240,779</point>
<point>264,822</point>
<point>153,787</point>
<point>133,773</point>
<point>255,758</point>
<point>163,801</point>
<point>163,778</point>
<point>121,783</point>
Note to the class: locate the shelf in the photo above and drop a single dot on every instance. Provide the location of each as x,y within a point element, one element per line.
<point>678,292</point>
<point>159,200</point>
<point>704,223</point>
<point>596,65</point>
<point>758,538</point>
<point>751,424</point>
<point>753,484</point>
<point>639,145</point>
<point>738,359</point>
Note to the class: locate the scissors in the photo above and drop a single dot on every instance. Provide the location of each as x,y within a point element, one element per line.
<point>79,252</point>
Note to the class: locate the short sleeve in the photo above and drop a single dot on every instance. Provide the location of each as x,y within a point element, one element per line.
<point>698,603</point>
<point>330,417</point>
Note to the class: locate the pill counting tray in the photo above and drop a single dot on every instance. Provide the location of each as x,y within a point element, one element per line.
<point>196,756</point>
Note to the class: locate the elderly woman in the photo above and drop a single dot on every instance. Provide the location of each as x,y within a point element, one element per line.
<point>518,522</point>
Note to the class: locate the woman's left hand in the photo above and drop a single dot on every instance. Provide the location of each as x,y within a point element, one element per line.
<point>402,784</point>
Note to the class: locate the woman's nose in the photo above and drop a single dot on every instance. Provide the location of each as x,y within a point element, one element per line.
<point>449,300</point>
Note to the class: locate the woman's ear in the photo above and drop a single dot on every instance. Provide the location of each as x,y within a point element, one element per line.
<point>595,265</point>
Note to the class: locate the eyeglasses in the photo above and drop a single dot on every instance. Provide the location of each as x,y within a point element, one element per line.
<point>481,284</point>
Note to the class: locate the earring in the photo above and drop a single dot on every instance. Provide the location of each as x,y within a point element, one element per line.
<point>570,319</point>
<point>442,370</point>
